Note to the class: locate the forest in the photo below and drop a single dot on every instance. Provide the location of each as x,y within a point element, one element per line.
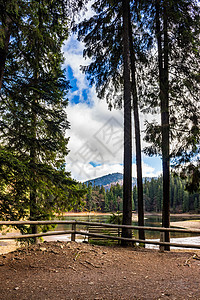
<point>143,59</point>
<point>111,200</point>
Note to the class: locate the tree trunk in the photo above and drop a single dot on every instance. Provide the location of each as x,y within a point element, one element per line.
<point>33,149</point>
<point>33,160</point>
<point>137,136</point>
<point>127,177</point>
<point>4,49</point>
<point>163,60</point>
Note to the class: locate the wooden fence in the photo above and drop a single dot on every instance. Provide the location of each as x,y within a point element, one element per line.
<point>74,232</point>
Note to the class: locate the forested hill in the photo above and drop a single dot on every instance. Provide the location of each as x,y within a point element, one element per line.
<point>100,198</point>
<point>111,179</point>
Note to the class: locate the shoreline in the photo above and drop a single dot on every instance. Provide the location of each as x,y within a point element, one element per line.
<point>194,224</point>
<point>96,213</point>
<point>93,213</point>
<point>7,246</point>
<point>84,213</point>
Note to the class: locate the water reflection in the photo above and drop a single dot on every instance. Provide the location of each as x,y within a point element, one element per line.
<point>150,220</point>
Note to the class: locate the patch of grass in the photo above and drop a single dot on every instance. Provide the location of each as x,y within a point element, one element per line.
<point>103,242</point>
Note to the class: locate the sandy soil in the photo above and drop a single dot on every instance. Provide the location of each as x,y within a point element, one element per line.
<point>93,213</point>
<point>72,270</point>
<point>194,224</point>
<point>84,213</point>
<point>8,245</point>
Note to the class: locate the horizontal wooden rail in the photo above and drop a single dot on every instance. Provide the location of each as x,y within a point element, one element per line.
<point>74,231</point>
<point>161,229</point>
<point>26,236</point>
<point>48,222</point>
<point>138,240</point>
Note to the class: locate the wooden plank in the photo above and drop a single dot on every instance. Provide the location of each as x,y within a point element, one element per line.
<point>162,239</point>
<point>99,225</point>
<point>102,230</point>
<point>73,234</point>
<point>8,223</point>
<point>22,236</point>
<point>138,240</point>
<point>139,227</point>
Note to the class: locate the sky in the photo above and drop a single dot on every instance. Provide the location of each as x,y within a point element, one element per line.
<point>96,134</point>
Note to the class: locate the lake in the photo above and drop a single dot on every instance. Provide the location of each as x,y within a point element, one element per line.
<point>150,220</point>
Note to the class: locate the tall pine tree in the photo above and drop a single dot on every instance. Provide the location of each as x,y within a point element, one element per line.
<point>127,177</point>
<point>175,27</point>
<point>34,121</point>
<point>103,37</point>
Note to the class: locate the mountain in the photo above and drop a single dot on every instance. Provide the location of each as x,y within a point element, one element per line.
<point>113,179</point>
<point>106,180</point>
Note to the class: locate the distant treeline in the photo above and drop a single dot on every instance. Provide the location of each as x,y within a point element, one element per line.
<point>99,199</point>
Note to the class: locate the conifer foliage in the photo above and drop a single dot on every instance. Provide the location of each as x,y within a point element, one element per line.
<point>33,117</point>
<point>174,25</point>
<point>148,49</point>
<point>108,38</point>
<point>99,198</point>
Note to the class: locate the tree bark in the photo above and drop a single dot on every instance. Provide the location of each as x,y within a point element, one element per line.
<point>127,176</point>
<point>137,135</point>
<point>163,61</point>
<point>4,49</point>
<point>33,160</point>
<point>33,149</point>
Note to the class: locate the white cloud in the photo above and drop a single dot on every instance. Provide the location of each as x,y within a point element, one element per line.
<point>96,134</point>
<point>148,171</point>
<point>85,171</point>
<point>73,51</point>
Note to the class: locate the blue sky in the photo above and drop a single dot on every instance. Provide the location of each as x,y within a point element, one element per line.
<point>96,134</point>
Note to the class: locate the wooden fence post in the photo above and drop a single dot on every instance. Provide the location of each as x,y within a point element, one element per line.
<point>73,235</point>
<point>162,239</point>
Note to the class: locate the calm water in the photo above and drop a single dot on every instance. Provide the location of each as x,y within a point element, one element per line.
<point>150,220</point>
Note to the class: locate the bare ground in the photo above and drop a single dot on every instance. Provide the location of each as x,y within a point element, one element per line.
<point>58,270</point>
<point>194,224</point>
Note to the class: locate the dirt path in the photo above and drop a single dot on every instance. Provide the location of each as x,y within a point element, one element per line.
<point>57,270</point>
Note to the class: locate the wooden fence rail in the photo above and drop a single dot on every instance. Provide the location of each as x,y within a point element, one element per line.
<point>74,231</point>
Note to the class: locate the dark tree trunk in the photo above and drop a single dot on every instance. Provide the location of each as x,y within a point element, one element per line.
<point>33,150</point>
<point>163,60</point>
<point>127,178</point>
<point>137,136</point>
<point>4,49</point>
<point>33,160</point>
